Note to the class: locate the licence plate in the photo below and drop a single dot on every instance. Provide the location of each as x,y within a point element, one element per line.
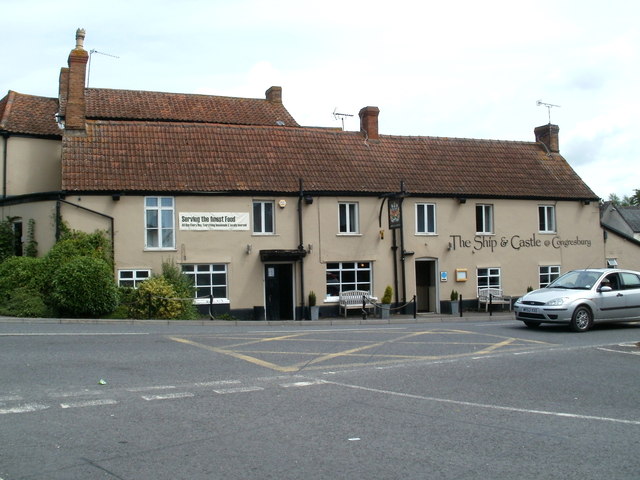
<point>529,309</point>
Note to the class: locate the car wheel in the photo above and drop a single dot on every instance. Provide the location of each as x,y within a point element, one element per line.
<point>581,320</point>
<point>532,324</point>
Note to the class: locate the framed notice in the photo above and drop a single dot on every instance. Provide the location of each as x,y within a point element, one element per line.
<point>461,274</point>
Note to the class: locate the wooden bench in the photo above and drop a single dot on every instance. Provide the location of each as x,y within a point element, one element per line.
<point>352,300</point>
<point>493,296</point>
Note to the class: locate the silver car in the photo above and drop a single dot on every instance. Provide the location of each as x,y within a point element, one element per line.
<point>581,297</point>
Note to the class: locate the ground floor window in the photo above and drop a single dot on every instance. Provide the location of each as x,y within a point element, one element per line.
<point>132,278</point>
<point>343,276</point>
<point>208,278</point>
<point>548,274</point>
<point>488,278</point>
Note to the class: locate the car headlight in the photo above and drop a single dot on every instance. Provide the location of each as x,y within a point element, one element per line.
<point>556,302</point>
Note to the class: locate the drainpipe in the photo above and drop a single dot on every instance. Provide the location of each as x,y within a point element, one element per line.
<point>5,137</point>
<point>402,249</point>
<point>301,248</point>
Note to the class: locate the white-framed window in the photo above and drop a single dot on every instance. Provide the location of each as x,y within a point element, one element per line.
<point>484,219</point>
<point>489,278</point>
<point>263,218</point>
<point>548,273</point>
<point>348,217</point>
<point>208,278</point>
<point>343,276</point>
<point>426,218</point>
<point>547,218</point>
<point>159,223</point>
<point>132,278</point>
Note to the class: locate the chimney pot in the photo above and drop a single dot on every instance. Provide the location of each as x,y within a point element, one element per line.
<point>80,33</point>
<point>548,135</point>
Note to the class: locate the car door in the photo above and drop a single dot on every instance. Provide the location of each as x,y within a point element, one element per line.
<point>631,291</point>
<point>612,303</point>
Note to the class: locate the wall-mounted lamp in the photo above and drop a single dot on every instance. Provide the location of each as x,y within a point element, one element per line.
<point>308,199</point>
<point>115,197</point>
<point>586,202</point>
<point>381,234</point>
<point>249,248</point>
<point>462,200</point>
<point>449,247</point>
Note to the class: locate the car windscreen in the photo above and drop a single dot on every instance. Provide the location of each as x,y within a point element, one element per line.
<point>578,280</point>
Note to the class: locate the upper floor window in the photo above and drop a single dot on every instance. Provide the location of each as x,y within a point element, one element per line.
<point>348,217</point>
<point>484,219</point>
<point>548,274</point>
<point>159,219</point>
<point>263,217</point>
<point>426,218</point>
<point>547,218</point>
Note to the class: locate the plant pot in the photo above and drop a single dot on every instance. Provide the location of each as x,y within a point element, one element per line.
<point>385,311</point>
<point>315,312</point>
<point>454,308</point>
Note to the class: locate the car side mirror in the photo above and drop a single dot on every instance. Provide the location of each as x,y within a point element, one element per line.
<point>605,288</point>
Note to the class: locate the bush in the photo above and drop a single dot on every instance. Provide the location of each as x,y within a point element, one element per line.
<point>23,302</point>
<point>388,294</point>
<point>84,286</point>
<point>157,298</point>
<point>77,244</point>
<point>21,272</point>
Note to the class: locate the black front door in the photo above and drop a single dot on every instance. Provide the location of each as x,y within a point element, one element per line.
<point>279,291</point>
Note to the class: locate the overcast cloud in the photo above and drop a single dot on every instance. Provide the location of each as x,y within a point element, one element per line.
<point>465,69</point>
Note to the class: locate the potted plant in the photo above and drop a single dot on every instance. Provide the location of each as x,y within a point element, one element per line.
<point>454,302</point>
<point>385,308</point>
<point>313,309</point>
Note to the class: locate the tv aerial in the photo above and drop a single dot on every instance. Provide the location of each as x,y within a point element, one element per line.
<point>91,52</point>
<point>340,116</point>
<point>549,107</point>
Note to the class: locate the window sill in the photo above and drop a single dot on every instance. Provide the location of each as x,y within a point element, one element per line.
<point>346,234</point>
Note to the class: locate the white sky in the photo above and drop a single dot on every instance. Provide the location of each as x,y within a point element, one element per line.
<point>456,69</point>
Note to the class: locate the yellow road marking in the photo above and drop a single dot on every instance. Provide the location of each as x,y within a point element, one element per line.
<point>496,346</point>
<point>352,352</point>
<point>238,355</point>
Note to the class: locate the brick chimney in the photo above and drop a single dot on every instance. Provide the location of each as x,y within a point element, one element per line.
<point>75,77</point>
<point>274,94</point>
<point>548,135</point>
<point>369,122</point>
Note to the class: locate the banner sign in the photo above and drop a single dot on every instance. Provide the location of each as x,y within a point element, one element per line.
<point>213,220</point>
<point>395,213</point>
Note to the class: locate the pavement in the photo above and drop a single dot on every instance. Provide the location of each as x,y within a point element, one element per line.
<point>350,320</point>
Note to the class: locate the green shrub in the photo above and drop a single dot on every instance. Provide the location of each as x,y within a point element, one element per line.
<point>388,294</point>
<point>24,302</point>
<point>7,239</point>
<point>21,272</point>
<point>84,286</point>
<point>31,246</point>
<point>157,298</point>
<point>76,244</point>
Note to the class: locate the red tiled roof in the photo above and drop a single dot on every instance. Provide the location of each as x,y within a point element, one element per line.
<point>29,114</point>
<point>180,157</point>
<point>180,107</point>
